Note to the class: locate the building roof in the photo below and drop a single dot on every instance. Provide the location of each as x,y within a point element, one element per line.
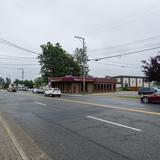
<point>80,79</point>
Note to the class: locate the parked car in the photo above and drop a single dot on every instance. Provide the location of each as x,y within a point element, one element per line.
<point>38,91</point>
<point>155,97</point>
<point>147,90</point>
<point>34,90</point>
<point>53,92</point>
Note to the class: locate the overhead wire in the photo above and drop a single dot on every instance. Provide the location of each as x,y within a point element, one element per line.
<point>6,42</point>
<point>128,53</point>
<point>139,42</point>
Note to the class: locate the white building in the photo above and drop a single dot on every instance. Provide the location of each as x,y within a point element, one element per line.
<point>133,82</point>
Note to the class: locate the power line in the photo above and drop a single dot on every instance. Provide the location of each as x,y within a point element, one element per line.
<point>6,42</point>
<point>116,65</point>
<point>124,54</point>
<point>7,56</point>
<point>10,64</point>
<point>126,44</point>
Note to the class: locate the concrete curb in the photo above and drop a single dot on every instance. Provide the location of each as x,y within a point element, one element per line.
<point>25,146</point>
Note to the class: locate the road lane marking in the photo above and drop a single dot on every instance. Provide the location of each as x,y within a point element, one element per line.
<point>117,124</point>
<point>42,104</point>
<point>20,98</point>
<point>15,142</point>
<point>105,106</point>
<point>112,107</point>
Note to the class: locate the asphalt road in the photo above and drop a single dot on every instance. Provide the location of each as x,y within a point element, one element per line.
<point>87,127</point>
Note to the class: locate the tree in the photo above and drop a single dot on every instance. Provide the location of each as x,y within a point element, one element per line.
<point>2,82</point>
<point>152,68</point>
<point>17,81</point>
<point>28,83</point>
<point>37,82</point>
<point>7,82</point>
<point>55,62</point>
<point>82,59</point>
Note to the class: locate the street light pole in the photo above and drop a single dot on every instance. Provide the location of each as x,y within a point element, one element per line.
<point>83,67</point>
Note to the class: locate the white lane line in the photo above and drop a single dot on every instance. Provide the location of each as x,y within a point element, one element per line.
<point>14,140</point>
<point>40,103</point>
<point>20,98</point>
<point>117,124</point>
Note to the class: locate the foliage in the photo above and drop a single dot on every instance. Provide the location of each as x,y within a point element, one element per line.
<point>82,59</point>
<point>2,82</point>
<point>37,82</point>
<point>55,62</point>
<point>152,68</point>
<point>7,82</point>
<point>28,83</point>
<point>17,81</point>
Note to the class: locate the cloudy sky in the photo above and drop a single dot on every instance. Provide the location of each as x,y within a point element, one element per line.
<point>109,27</point>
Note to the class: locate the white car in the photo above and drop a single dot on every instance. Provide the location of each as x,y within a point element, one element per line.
<point>34,90</point>
<point>53,92</point>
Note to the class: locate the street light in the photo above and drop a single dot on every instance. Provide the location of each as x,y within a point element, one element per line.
<point>83,68</point>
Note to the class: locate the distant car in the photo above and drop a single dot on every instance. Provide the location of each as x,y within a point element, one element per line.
<point>147,90</point>
<point>155,97</point>
<point>11,89</point>
<point>53,92</point>
<point>34,90</point>
<point>40,91</point>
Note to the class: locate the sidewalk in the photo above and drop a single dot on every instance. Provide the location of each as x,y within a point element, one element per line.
<point>7,148</point>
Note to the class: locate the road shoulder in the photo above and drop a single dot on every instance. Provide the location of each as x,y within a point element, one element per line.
<point>21,146</point>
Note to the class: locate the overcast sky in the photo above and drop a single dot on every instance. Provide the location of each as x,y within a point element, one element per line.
<point>109,27</point>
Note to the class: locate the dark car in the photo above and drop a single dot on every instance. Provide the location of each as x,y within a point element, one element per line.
<point>155,97</point>
<point>147,90</point>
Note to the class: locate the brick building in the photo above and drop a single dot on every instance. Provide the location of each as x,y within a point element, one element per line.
<point>72,84</point>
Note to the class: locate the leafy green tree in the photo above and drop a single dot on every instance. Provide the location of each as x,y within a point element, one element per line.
<point>28,83</point>
<point>82,59</point>
<point>151,68</point>
<point>2,82</point>
<point>17,81</point>
<point>55,62</point>
<point>7,82</point>
<point>37,82</point>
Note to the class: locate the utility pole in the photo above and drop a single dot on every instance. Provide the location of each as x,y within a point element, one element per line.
<point>22,76</point>
<point>83,67</point>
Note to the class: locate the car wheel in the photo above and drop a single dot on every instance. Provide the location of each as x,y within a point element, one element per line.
<point>59,95</point>
<point>145,100</point>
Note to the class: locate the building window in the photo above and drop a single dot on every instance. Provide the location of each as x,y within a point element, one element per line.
<point>101,87</point>
<point>98,87</point>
